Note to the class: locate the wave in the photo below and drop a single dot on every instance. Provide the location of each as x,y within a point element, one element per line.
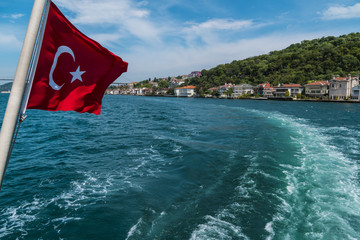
<point>218,229</point>
<point>320,197</point>
<point>26,216</point>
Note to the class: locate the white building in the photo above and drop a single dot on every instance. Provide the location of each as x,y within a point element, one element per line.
<point>340,87</point>
<point>291,89</point>
<point>154,84</point>
<point>242,89</point>
<point>355,93</point>
<point>317,89</point>
<point>223,88</point>
<point>176,82</point>
<point>161,91</point>
<point>137,91</point>
<point>264,90</point>
<point>187,91</point>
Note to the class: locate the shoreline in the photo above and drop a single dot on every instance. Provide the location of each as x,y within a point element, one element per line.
<point>252,98</point>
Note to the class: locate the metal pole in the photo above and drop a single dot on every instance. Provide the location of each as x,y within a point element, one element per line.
<point>17,91</point>
<point>34,60</point>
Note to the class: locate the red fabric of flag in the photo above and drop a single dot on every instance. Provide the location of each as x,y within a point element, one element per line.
<point>73,70</point>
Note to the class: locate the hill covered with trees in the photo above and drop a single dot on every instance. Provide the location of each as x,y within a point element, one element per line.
<point>6,87</point>
<point>310,60</point>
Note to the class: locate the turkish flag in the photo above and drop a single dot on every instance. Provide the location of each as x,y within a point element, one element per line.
<point>73,71</point>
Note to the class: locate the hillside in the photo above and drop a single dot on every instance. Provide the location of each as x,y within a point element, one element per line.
<point>5,87</point>
<point>317,59</point>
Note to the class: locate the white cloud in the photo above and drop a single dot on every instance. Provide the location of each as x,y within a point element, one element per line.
<point>106,38</point>
<point>221,24</point>
<point>212,30</point>
<point>147,62</point>
<point>127,16</point>
<point>341,12</point>
<point>13,16</point>
<point>9,41</point>
<point>16,16</point>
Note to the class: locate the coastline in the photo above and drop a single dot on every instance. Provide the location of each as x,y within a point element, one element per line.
<point>253,98</point>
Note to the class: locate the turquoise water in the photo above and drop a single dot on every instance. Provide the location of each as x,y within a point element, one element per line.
<point>176,168</point>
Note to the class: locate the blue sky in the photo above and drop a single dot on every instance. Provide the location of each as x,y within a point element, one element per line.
<point>174,37</point>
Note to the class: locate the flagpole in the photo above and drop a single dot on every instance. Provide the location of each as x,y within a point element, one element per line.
<point>34,60</point>
<point>17,91</point>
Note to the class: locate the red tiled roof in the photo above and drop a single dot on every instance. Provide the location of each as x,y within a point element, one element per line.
<point>318,83</point>
<point>290,86</point>
<point>265,85</point>
<point>341,78</point>
<point>187,87</point>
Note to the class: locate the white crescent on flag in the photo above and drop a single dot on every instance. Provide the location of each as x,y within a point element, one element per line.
<point>61,50</point>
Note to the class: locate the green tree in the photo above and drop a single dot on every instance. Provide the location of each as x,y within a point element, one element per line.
<point>350,62</point>
<point>163,84</point>
<point>316,59</point>
<point>229,92</point>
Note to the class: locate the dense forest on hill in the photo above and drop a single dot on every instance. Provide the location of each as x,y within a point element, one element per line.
<point>310,60</point>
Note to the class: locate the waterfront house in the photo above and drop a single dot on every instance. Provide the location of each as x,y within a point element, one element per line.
<point>141,91</point>
<point>161,91</point>
<point>175,82</point>
<point>187,91</point>
<point>223,88</point>
<point>242,89</point>
<point>288,89</point>
<point>213,89</point>
<point>147,91</point>
<point>340,87</point>
<point>264,90</point>
<point>318,89</point>
<point>355,93</point>
<point>137,91</point>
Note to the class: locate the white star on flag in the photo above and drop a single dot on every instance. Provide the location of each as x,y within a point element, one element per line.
<point>77,74</point>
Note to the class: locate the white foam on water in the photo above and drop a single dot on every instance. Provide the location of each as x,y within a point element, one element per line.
<point>81,193</point>
<point>134,230</point>
<point>321,198</point>
<point>145,162</point>
<point>151,221</point>
<point>322,193</point>
<point>226,223</point>
<point>216,228</point>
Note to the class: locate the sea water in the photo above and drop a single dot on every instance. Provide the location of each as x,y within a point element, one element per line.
<point>178,168</point>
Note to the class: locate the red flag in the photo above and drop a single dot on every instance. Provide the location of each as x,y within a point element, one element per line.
<point>73,70</point>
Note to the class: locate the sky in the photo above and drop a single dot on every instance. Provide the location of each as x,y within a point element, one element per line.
<point>161,38</point>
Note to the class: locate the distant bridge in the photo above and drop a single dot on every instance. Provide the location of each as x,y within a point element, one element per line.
<point>119,84</point>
